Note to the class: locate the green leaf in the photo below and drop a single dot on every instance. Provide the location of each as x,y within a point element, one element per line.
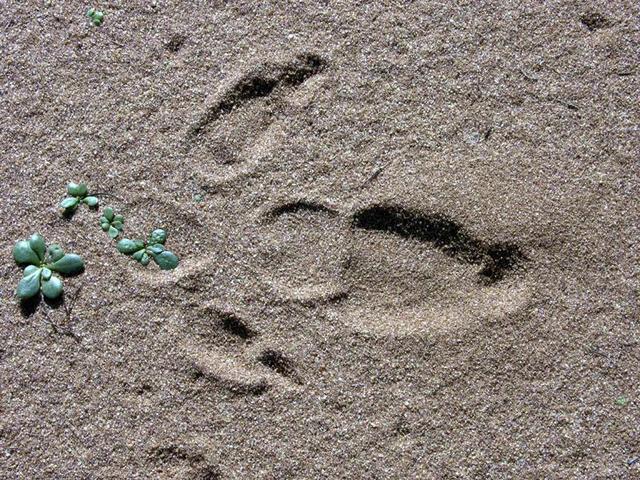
<point>144,260</point>
<point>158,236</point>
<point>116,224</point>
<point>113,232</point>
<point>23,253</point>
<point>29,285</point>
<point>118,218</point>
<point>108,213</point>
<point>91,201</point>
<point>55,252</point>
<point>622,401</point>
<point>77,189</point>
<point>155,249</point>
<point>36,242</point>
<point>166,260</point>
<point>69,203</point>
<point>46,273</point>
<point>29,270</point>
<point>70,263</point>
<point>128,247</point>
<point>138,255</point>
<point>52,288</point>
<point>97,18</point>
<point>104,226</point>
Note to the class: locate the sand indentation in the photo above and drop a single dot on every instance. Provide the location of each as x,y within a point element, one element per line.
<point>221,347</point>
<point>304,239</point>
<point>236,130</point>
<point>388,269</point>
<point>445,235</point>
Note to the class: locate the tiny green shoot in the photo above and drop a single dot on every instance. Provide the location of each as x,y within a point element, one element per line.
<point>111,223</point>
<point>78,194</point>
<point>96,16</point>
<point>144,251</point>
<point>622,400</point>
<point>40,262</point>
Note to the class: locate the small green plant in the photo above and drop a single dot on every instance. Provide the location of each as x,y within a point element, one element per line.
<point>153,248</point>
<point>622,401</point>
<point>78,194</point>
<point>96,16</point>
<point>40,263</point>
<point>111,223</point>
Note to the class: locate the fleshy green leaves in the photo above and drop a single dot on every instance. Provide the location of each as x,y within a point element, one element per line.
<point>68,264</point>
<point>111,223</point>
<point>91,201</point>
<point>29,286</point>
<point>166,260</point>
<point>55,252</point>
<point>96,16</point>
<point>158,236</point>
<point>69,204</point>
<point>41,263</point>
<point>36,242</point>
<point>77,189</point>
<point>143,252</point>
<point>51,288</point>
<point>78,193</point>
<point>23,254</point>
<point>129,247</point>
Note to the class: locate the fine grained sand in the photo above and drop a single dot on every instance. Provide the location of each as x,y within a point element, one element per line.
<point>408,232</point>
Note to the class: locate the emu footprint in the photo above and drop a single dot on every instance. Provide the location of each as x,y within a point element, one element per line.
<point>239,128</point>
<point>224,349</point>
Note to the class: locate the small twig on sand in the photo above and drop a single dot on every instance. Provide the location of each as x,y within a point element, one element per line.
<point>115,40</point>
<point>623,73</point>
<point>68,308</point>
<point>488,133</point>
<point>527,76</point>
<point>569,105</point>
<point>106,194</point>
<point>374,175</point>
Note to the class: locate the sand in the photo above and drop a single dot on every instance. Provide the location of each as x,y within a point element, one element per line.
<point>408,235</point>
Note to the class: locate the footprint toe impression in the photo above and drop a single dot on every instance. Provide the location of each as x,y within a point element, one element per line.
<point>221,348</point>
<point>394,270</point>
<point>240,126</point>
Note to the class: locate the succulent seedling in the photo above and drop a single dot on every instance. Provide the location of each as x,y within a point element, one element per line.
<point>78,194</point>
<point>111,223</point>
<point>622,401</point>
<point>153,248</point>
<point>96,16</point>
<point>40,262</point>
